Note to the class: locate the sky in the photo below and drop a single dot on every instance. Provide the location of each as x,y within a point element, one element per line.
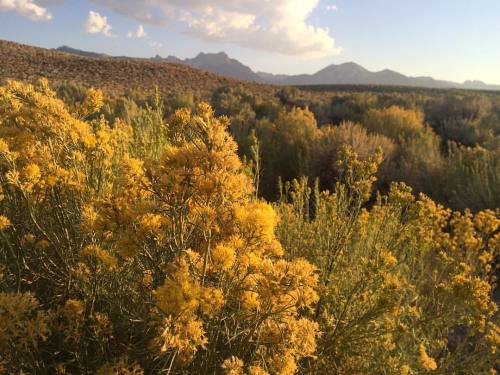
<point>454,40</point>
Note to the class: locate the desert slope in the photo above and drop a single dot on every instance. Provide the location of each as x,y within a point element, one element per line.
<point>22,62</point>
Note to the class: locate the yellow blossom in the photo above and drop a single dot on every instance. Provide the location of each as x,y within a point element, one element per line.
<point>28,238</point>
<point>233,366</point>
<point>223,257</point>
<point>42,245</point>
<point>103,256</point>
<point>73,309</point>
<point>426,362</point>
<point>185,335</point>
<point>4,222</point>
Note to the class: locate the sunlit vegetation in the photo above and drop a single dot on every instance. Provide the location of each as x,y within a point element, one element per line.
<point>422,135</point>
<point>136,238</point>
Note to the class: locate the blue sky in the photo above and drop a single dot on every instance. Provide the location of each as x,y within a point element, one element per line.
<point>447,39</point>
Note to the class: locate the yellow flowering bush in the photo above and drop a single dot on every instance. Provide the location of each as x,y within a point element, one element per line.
<point>142,248</point>
<point>23,326</point>
<point>123,255</point>
<point>406,286</point>
<point>190,212</point>
<point>53,162</point>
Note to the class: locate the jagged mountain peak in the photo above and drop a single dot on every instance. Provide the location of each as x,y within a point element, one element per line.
<point>213,54</point>
<point>221,63</point>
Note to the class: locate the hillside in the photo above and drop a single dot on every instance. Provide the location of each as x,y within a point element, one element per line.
<point>22,62</point>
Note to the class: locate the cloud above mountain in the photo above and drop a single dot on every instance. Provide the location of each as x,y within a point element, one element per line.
<point>27,8</point>
<point>277,26</point>
<point>97,24</point>
<point>139,33</point>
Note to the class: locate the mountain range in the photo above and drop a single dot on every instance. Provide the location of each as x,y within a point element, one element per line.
<point>347,73</point>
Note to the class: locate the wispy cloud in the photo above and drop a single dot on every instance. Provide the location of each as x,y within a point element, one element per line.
<point>280,26</point>
<point>97,24</point>
<point>139,33</point>
<point>332,8</point>
<point>26,8</point>
<point>154,44</point>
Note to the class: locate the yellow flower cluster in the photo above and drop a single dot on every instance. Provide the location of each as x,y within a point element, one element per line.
<point>4,222</point>
<point>23,326</point>
<point>426,362</point>
<point>95,251</point>
<point>43,145</point>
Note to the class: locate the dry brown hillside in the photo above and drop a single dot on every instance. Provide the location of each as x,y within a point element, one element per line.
<point>27,63</point>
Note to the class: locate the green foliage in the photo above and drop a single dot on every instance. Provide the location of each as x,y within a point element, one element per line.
<point>394,122</point>
<point>175,101</point>
<point>149,130</point>
<point>421,163</point>
<point>460,118</point>
<point>287,146</point>
<point>334,138</point>
<point>473,178</point>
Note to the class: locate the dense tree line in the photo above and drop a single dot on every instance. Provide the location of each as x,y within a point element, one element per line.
<point>435,143</point>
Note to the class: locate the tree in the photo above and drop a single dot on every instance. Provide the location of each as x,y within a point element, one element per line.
<point>288,147</point>
<point>332,141</point>
<point>394,122</point>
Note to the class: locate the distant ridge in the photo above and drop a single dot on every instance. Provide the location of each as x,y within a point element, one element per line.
<point>80,52</point>
<point>343,74</point>
<point>353,74</point>
<point>201,74</point>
